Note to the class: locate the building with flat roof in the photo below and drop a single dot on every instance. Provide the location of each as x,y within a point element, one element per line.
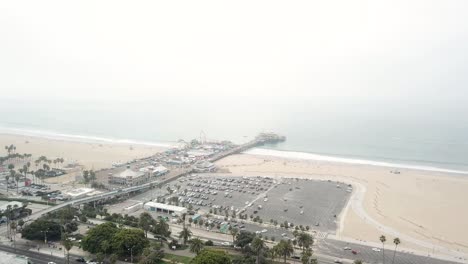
<point>164,208</point>
<point>4,205</point>
<point>160,170</point>
<point>128,177</point>
<point>77,193</point>
<point>204,166</point>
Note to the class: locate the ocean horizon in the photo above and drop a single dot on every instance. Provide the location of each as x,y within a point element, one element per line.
<point>364,132</point>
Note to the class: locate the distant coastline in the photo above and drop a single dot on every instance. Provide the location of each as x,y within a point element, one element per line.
<point>53,135</point>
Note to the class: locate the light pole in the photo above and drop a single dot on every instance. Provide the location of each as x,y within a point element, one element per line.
<point>45,236</point>
<point>131,254</point>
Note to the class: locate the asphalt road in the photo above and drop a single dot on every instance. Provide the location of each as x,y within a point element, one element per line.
<point>37,257</point>
<point>335,249</point>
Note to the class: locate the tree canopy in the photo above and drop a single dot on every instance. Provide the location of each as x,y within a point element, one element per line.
<point>93,240</point>
<point>244,238</point>
<point>35,230</point>
<point>211,257</point>
<point>127,241</point>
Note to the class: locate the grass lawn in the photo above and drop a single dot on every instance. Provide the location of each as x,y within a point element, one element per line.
<point>181,259</point>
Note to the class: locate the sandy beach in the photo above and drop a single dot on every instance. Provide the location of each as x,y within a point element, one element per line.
<point>424,209</point>
<point>91,155</point>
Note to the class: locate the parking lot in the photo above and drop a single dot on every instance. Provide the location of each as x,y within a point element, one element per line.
<point>295,201</point>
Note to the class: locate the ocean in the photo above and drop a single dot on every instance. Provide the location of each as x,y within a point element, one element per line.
<point>358,132</point>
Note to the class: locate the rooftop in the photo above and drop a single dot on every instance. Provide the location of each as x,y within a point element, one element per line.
<point>165,207</point>
<point>129,173</point>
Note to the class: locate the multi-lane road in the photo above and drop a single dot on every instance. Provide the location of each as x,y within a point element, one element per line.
<point>37,257</point>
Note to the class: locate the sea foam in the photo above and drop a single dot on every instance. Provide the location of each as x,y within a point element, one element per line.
<point>319,157</point>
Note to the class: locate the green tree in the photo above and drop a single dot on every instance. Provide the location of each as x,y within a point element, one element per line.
<point>152,255</point>
<point>92,176</point>
<point>383,239</point>
<point>284,248</point>
<point>258,245</point>
<point>185,234</point>
<point>129,241</point>
<point>161,230</point>
<point>86,176</point>
<point>21,223</point>
<point>146,222</point>
<point>67,244</point>
<point>105,246</point>
<point>396,241</point>
<point>233,231</point>
<point>196,245</point>
<point>211,257</point>
<point>306,255</point>
<point>92,242</point>
<point>244,238</point>
<point>304,240</point>
<point>113,258</point>
<point>35,230</point>
<point>7,178</point>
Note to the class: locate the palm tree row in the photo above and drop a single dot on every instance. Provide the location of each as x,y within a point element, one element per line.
<point>396,241</point>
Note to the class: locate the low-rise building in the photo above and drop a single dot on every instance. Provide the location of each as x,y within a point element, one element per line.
<point>165,208</point>
<point>5,204</point>
<point>128,177</point>
<point>132,208</point>
<point>205,166</point>
<point>77,193</point>
<point>160,170</point>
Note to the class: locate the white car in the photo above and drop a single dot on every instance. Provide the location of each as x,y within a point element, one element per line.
<point>51,262</point>
<point>338,261</point>
<point>376,249</point>
<point>347,248</point>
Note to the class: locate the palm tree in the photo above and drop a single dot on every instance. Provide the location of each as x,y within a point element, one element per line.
<point>396,241</point>
<point>17,178</point>
<point>304,240</point>
<point>234,231</point>
<point>258,245</point>
<point>7,177</point>
<point>196,245</point>
<point>185,234</point>
<point>284,248</point>
<point>67,244</point>
<point>383,239</point>
<point>306,255</point>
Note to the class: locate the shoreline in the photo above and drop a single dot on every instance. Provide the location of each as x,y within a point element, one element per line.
<point>89,154</point>
<point>406,205</point>
<point>417,206</point>
<point>287,154</point>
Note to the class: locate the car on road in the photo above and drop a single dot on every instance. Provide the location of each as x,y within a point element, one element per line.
<point>347,248</point>
<point>376,249</point>
<point>80,260</point>
<point>50,262</point>
<point>338,261</point>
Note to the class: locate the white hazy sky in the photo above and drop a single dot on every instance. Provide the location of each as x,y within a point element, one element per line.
<point>146,49</point>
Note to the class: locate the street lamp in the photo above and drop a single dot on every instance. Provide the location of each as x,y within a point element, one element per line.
<point>45,236</point>
<point>131,254</point>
